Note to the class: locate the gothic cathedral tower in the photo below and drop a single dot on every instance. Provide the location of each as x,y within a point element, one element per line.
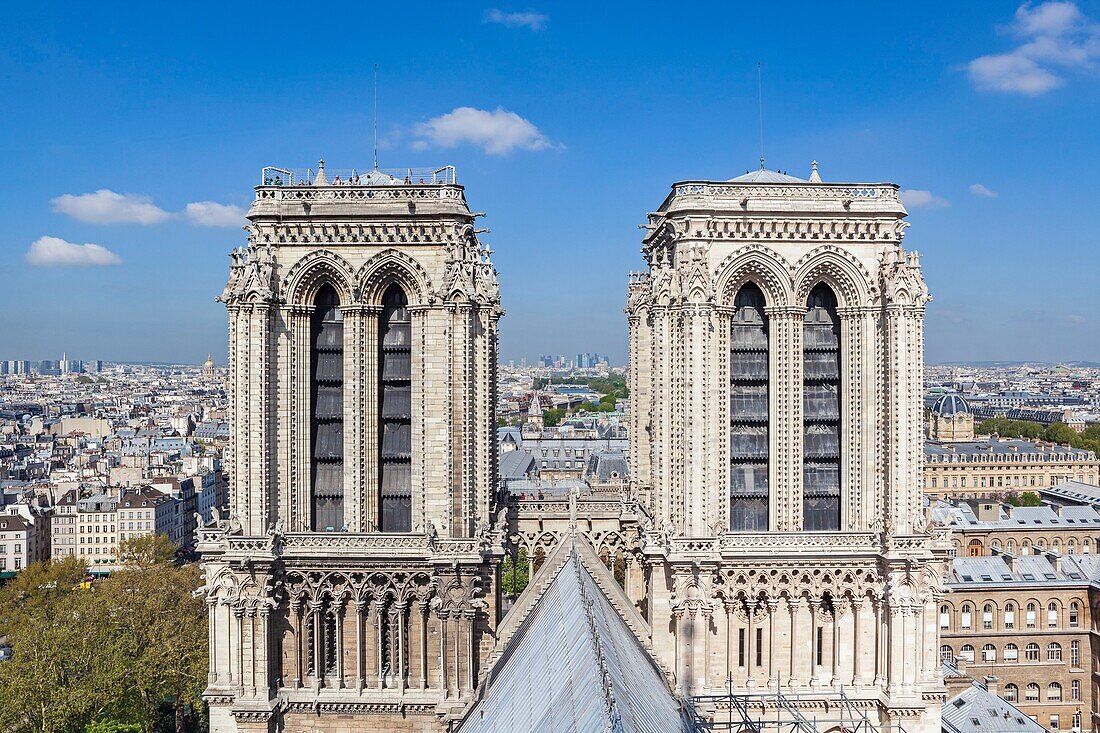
<point>776,366</point>
<point>355,575</point>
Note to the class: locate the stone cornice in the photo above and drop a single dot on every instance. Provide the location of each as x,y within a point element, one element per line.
<point>314,231</point>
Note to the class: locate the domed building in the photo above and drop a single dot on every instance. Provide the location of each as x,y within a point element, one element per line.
<point>208,369</point>
<point>950,419</point>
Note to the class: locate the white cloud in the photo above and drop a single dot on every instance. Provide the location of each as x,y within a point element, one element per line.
<point>1075,319</point>
<point>917,199</point>
<point>497,133</point>
<point>979,190</point>
<point>213,214</point>
<point>1051,34</point>
<point>55,252</point>
<point>526,19</point>
<point>107,207</point>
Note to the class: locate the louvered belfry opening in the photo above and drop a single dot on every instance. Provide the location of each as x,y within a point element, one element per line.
<point>749,412</point>
<point>395,410</point>
<point>327,408</point>
<point>821,412</point>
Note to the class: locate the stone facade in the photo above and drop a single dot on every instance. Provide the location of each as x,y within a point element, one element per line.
<point>1035,635</point>
<point>769,568</point>
<point>994,466</point>
<point>853,603</point>
<point>332,624</point>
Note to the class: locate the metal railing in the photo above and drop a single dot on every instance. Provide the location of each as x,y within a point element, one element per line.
<point>763,712</point>
<point>275,176</point>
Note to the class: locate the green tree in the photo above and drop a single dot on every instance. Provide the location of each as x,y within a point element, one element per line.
<point>65,668</point>
<point>161,626</point>
<point>552,416</point>
<point>106,655</point>
<point>513,574</point>
<point>1027,498</point>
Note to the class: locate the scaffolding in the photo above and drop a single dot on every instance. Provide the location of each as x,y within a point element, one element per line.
<point>773,712</point>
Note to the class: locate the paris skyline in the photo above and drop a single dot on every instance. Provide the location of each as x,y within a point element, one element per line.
<point>563,129</point>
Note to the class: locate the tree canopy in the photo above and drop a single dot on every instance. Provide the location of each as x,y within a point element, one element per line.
<point>109,654</point>
<point>1060,433</point>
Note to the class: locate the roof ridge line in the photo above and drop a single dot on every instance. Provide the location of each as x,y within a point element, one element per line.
<point>615,718</point>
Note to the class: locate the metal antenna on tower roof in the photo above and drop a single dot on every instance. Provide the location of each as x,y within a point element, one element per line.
<point>376,117</point>
<point>760,98</point>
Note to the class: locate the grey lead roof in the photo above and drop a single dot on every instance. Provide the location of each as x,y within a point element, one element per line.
<point>976,710</point>
<point>766,176</point>
<point>574,666</point>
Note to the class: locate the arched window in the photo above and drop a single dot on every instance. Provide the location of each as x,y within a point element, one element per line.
<point>1012,692</point>
<point>1032,610</point>
<point>1054,692</point>
<point>967,652</point>
<point>945,617</point>
<point>395,412</point>
<point>1054,652</point>
<point>1010,615</point>
<point>987,616</point>
<point>1071,546</point>
<point>1052,614</point>
<point>947,654</point>
<point>989,653</point>
<point>749,412</point>
<point>327,407</point>
<point>1012,653</point>
<point>975,548</point>
<point>1074,613</point>
<point>1031,652</point>
<point>821,411</point>
<point>966,620</point>
<point>1031,692</point>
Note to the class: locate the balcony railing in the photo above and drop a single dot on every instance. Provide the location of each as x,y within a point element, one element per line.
<point>322,176</point>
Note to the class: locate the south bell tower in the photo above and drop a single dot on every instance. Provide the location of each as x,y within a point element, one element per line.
<point>354,575</point>
<point>776,366</point>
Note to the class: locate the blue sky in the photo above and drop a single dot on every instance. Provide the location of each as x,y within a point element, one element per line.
<point>171,110</point>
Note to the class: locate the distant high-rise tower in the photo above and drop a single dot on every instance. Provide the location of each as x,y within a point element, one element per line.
<point>776,365</point>
<point>355,577</point>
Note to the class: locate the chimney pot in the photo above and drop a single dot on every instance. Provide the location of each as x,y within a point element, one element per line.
<point>991,684</point>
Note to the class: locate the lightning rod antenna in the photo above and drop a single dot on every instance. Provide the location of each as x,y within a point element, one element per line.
<point>760,98</point>
<point>376,117</point>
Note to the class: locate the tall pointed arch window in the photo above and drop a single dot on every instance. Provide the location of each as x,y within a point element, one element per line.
<point>821,412</point>
<point>327,407</point>
<point>749,412</point>
<point>395,412</point>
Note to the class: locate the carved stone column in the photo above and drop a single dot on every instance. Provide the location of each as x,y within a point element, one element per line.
<point>792,605</point>
<point>814,680</point>
<point>838,613</point>
<point>238,626</point>
<point>773,670</point>
<point>211,642</point>
<point>380,615</point>
<point>750,643</point>
<point>857,644</point>
<point>360,662</point>
<point>318,644</point>
<point>338,613</point>
<point>422,607</point>
<point>399,618</point>
<point>785,408</point>
<point>444,680</point>
<point>881,641</point>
